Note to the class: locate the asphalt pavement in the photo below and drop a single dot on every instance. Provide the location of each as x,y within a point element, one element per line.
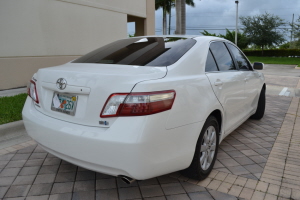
<point>282,70</point>
<point>282,80</point>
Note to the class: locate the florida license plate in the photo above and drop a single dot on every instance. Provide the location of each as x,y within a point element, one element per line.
<point>64,103</point>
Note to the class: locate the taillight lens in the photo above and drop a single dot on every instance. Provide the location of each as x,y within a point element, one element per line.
<point>137,104</point>
<point>113,105</point>
<point>32,91</point>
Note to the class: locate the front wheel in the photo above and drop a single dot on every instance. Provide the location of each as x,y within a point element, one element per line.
<point>205,152</point>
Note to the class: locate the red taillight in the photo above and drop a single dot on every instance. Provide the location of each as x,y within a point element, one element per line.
<point>137,104</point>
<point>32,91</point>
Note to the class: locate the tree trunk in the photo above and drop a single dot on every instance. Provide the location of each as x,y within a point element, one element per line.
<point>178,17</point>
<point>262,50</point>
<point>183,17</point>
<point>170,17</point>
<point>164,20</point>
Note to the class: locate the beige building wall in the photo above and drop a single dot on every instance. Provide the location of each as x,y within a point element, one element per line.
<point>150,20</point>
<point>43,33</point>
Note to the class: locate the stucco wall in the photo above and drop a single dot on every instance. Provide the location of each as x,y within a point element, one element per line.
<point>150,21</point>
<point>51,27</point>
<point>32,30</point>
<point>131,7</point>
<point>17,71</point>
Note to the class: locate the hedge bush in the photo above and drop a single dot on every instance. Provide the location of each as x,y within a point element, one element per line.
<point>274,52</point>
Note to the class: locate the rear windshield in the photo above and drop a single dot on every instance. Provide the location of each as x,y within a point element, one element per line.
<point>148,51</point>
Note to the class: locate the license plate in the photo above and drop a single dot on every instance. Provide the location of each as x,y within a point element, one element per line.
<point>64,103</point>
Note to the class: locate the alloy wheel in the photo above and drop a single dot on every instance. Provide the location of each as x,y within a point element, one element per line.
<point>208,147</point>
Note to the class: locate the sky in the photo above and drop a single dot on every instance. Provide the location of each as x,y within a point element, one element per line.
<point>217,15</point>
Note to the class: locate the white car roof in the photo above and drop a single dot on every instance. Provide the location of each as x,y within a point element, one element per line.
<point>198,37</point>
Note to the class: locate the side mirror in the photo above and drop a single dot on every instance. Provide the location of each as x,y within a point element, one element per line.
<point>258,66</point>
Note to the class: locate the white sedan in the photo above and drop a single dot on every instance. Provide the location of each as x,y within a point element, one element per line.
<point>145,106</point>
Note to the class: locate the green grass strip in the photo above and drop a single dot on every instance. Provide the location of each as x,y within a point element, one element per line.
<point>11,108</point>
<point>275,60</point>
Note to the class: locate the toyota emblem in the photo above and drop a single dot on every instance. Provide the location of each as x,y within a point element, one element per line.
<point>61,83</point>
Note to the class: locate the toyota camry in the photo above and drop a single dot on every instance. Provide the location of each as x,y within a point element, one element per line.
<point>145,106</point>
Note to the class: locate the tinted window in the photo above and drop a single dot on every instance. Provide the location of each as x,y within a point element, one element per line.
<point>241,60</point>
<point>151,51</point>
<point>210,63</point>
<point>222,56</point>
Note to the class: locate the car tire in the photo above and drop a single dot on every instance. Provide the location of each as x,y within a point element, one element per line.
<point>260,110</point>
<point>205,146</point>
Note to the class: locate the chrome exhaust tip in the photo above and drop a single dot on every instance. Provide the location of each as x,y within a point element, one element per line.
<point>127,180</point>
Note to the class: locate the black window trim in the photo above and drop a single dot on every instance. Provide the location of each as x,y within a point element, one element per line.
<point>231,53</point>
<point>234,62</point>
<point>215,63</point>
<point>214,59</point>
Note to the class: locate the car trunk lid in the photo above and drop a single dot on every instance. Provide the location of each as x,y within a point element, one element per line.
<point>89,85</point>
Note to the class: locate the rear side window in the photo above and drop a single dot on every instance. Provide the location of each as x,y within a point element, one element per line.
<point>241,60</point>
<point>210,63</point>
<point>148,51</point>
<point>222,56</point>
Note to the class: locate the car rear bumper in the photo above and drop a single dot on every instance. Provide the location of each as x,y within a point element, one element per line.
<point>137,147</point>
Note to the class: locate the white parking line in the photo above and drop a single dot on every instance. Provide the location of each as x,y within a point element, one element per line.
<point>283,91</point>
<point>287,94</point>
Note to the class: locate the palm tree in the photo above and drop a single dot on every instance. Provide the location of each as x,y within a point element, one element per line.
<point>181,15</point>
<point>171,5</point>
<point>164,5</point>
<point>167,5</point>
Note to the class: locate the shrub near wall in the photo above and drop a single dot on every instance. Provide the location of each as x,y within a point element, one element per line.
<point>274,53</point>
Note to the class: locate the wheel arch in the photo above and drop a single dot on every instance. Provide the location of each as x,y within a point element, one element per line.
<point>194,170</point>
<point>218,115</point>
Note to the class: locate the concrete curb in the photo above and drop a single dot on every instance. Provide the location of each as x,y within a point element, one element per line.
<point>11,130</point>
<point>12,92</point>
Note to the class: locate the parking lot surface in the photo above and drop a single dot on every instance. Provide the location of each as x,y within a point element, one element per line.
<point>245,151</point>
<point>259,160</point>
<point>281,70</point>
<point>35,174</point>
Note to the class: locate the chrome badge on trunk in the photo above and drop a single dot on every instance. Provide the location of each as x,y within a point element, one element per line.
<point>61,83</point>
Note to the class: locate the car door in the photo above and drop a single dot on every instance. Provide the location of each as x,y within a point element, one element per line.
<point>227,83</point>
<point>251,78</point>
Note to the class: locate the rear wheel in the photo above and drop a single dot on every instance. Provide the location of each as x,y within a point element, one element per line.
<point>206,151</point>
<point>260,110</point>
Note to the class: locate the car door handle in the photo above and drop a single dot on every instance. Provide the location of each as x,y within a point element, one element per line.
<point>217,83</point>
